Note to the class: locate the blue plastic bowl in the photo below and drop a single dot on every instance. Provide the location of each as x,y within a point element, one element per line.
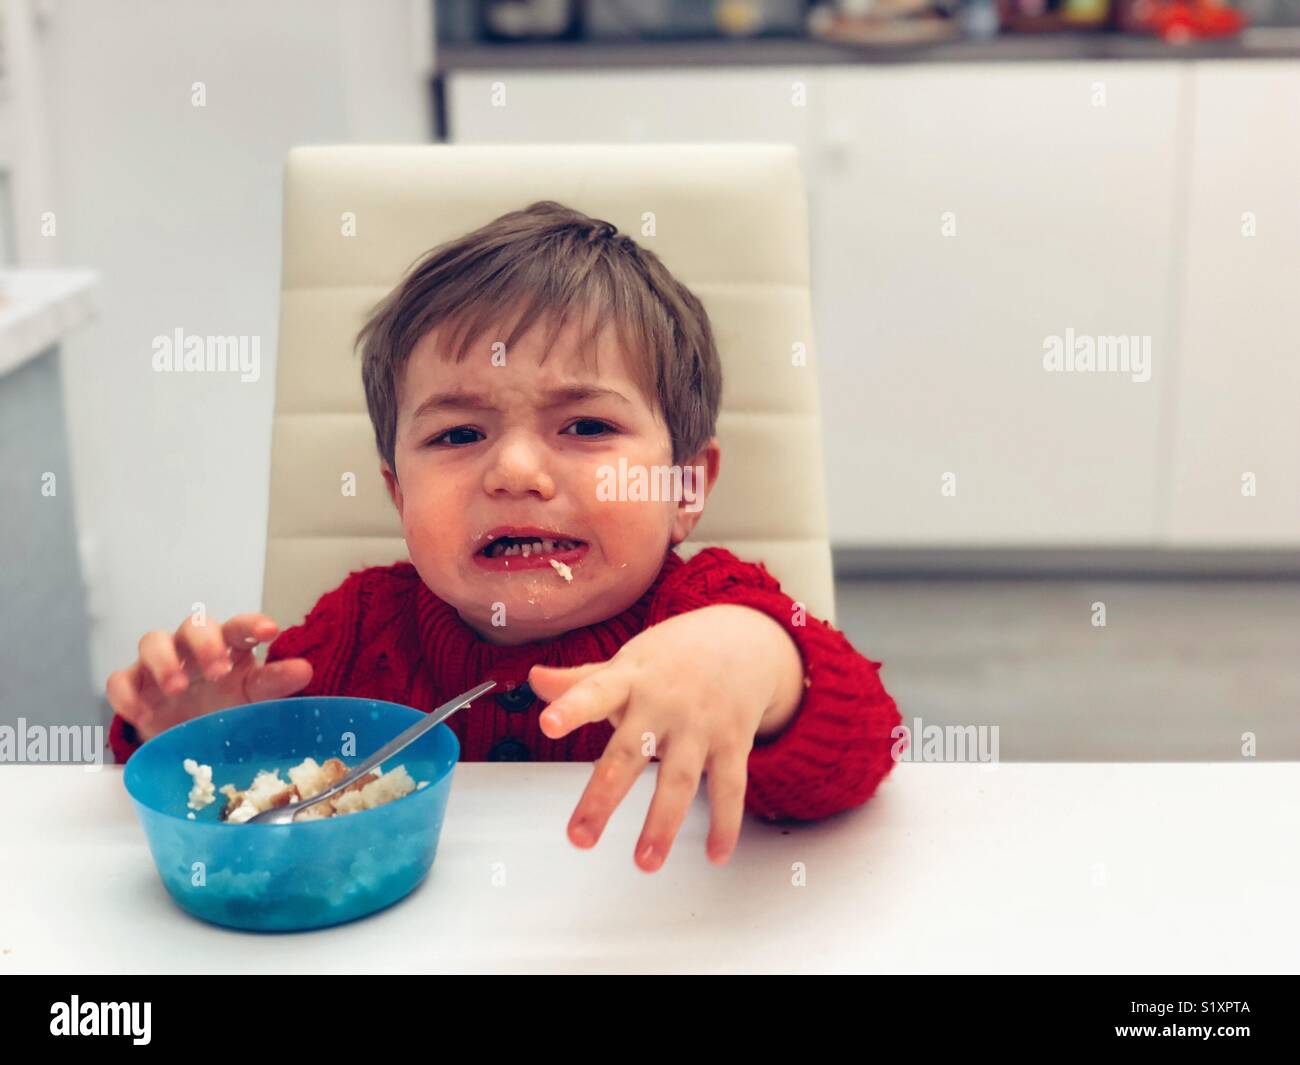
<point>308,874</point>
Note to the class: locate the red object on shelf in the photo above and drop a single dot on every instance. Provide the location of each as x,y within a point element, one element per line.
<point>1184,20</point>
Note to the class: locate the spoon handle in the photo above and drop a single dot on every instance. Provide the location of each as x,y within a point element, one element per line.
<point>404,739</point>
<point>284,814</point>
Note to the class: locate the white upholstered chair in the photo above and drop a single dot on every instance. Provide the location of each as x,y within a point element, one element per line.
<point>730,223</point>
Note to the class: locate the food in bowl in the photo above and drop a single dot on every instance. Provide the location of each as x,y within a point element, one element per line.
<point>306,780</point>
<point>202,793</point>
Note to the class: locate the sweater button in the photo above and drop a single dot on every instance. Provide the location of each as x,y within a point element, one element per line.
<point>517,699</point>
<point>509,751</point>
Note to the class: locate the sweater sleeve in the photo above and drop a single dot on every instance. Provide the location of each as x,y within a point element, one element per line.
<point>326,637</point>
<point>323,638</point>
<point>123,740</point>
<point>836,749</point>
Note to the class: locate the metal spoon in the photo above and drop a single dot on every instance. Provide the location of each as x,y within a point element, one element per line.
<point>282,815</point>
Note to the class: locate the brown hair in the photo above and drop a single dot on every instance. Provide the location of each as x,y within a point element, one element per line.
<point>551,260</point>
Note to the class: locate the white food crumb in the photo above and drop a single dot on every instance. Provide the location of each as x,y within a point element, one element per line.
<point>191,816</point>
<point>265,787</point>
<point>392,785</point>
<point>245,811</point>
<point>308,778</point>
<point>202,793</point>
<point>560,568</point>
<point>422,785</point>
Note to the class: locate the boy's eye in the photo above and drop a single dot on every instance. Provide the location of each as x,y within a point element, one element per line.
<point>590,422</point>
<point>450,432</point>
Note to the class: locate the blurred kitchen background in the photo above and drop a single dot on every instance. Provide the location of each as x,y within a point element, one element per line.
<point>981,174</point>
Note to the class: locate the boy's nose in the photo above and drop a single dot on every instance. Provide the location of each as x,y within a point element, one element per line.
<point>519,468</point>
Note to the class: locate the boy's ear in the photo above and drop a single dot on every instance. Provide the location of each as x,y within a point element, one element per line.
<point>394,489</point>
<point>699,475</point>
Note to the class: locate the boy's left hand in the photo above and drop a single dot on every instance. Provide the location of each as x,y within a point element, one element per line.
<point>695,690</point>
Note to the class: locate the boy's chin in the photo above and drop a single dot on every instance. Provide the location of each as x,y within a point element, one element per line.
<point>520,603</point>
<point>523,626</point>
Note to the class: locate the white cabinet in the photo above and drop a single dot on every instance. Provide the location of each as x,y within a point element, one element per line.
<point>1237,407</point>
<point>962,215</point>
<point>605,106</point>
<point>965,215</point>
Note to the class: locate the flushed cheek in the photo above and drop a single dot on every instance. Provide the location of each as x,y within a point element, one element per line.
<point>434,529</point>
<point>630,525</point>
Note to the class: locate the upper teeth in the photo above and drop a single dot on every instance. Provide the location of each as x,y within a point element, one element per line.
<point>532,547</point>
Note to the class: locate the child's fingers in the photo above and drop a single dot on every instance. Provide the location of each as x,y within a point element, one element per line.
<point>679,780</point>
<point>594,698</point>
<point>277,680</point>
<point>612,777</point>
<point>727,777</point>
<point>124,697</point>
<point>159,657</point>
<point>244,632</point>
<point>550,682</point>
<point>204,646</point>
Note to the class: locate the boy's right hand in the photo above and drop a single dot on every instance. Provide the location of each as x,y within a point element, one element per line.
<point>199,668</point>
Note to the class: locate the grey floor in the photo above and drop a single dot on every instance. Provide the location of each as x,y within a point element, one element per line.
<point>1181,670</point>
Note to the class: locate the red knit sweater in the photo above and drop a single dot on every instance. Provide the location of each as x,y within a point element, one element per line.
<point>383,635</point>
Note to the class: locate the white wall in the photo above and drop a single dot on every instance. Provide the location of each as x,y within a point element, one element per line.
<point>178,207</point>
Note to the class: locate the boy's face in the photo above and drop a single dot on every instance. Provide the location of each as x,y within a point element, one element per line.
<point>512,452</point>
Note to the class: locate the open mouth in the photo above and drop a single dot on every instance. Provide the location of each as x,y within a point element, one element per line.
<point>510,548</point>
<point>528,546</point>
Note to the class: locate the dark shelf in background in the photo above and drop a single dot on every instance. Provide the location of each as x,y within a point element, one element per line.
<point>1262,43</point>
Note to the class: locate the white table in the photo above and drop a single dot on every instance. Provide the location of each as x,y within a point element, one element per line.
<point>952,868</point>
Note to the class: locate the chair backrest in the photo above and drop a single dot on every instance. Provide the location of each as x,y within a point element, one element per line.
<point>730,222</point>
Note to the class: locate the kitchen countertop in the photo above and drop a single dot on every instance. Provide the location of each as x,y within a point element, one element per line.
<point>38,308</point>
<point>1126,868</point>
<point>1264,42</point>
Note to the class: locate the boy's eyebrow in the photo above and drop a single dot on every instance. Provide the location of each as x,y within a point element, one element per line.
<point>460,399</point>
